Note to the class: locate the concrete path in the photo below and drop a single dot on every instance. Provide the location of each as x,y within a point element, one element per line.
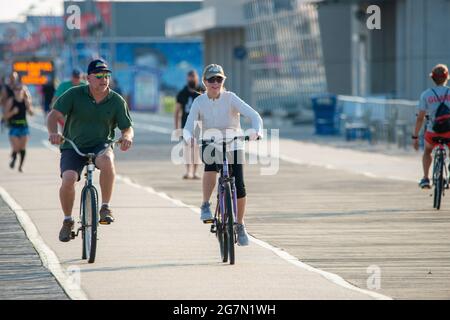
<point>157,249</point>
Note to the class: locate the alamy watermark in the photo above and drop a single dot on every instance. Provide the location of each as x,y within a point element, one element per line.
<point>374,20</point>
<point>73,21</point>
<point>73,281</point>
<point>374,280</point>
<point>264,152</point>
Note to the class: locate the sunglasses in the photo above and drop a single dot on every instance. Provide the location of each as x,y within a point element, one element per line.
<point>102,75</point>
<point>215,79</point>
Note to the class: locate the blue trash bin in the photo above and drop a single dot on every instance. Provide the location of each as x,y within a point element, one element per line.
<point>326,114</point>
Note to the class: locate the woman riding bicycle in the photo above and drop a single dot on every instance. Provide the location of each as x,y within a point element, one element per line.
<point>218,112</point>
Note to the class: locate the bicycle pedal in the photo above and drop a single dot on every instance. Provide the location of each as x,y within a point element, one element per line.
<point>213,228</point>
<point>208,221</point>
<point>72,235</point>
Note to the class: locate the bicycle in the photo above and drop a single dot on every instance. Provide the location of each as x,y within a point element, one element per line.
<point>89,205</point>
<point>440,172</point>
<point>225,216</point>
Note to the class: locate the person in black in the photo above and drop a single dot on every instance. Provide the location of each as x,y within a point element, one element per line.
<point>16,110</point>
<point>48,91</point>
<point>7,90</point>
<point>115,86</point>
<point>184,102</point>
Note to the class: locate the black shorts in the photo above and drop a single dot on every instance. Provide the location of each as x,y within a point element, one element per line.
<point>70,160</point>
<point>213,161</point>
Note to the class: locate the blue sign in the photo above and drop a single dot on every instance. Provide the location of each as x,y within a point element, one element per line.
<point>240,52</point>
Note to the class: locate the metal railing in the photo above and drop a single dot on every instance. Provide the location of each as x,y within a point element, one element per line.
<point>384,120</point>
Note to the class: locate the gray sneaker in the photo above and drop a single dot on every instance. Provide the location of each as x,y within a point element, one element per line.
<point>206,212</point>
<point>66,231</point>
<point>242,236</point>
<point>106,216</point>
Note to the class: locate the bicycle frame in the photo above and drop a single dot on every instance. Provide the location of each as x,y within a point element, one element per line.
<point>440,170</point>
<point>90,168</point>
<point>223,179</point>
<point>440,148</point>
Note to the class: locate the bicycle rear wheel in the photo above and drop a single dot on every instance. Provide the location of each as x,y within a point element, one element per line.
<point>89,220</point>
<point>229,223</point>
<point>438,180</point>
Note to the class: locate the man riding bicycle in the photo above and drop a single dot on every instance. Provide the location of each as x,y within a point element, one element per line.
<point>92,112</point>
<point>434,103</point>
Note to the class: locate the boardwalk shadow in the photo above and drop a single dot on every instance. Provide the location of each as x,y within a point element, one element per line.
<point>147,267</point>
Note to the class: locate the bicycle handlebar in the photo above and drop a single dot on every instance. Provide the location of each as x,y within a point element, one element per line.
<point>245,138</point>
<point>107,145</point>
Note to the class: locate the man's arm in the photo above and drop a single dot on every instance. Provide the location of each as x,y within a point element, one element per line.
<point>126,139</point>
<point>193,116</point>
<point>177,115</point>
<point>419,122</point>
<point>52,126</point>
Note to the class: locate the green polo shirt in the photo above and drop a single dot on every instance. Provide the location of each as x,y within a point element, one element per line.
<point>66,85</point>
<point>88,123</point>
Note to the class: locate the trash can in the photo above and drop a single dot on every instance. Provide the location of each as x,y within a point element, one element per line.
<point>326,114</point>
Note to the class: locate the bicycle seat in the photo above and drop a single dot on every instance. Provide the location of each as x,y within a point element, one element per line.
<point>442,140</point>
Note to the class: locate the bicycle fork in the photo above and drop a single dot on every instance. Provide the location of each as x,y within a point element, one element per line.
<point>445,169</point>
<point>441,152</point>
<point>88,174</point>
<point>220,207</point>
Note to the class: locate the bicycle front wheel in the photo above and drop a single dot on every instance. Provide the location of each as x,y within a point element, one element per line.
<point>220,234</point>
<point>438,181</point>
<point>89,220</point>
<point>229,223</point>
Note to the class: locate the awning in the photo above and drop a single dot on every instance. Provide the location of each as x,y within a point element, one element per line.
<point>196,22</point>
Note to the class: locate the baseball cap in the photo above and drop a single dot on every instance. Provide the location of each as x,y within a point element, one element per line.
<point>213,70</point>
<point>76,73</point>
<point>440,71</point>
<point>97,66</point>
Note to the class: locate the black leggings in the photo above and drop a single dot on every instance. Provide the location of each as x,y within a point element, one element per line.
<point>236,167</point>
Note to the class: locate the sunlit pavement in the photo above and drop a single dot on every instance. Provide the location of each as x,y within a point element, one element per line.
<point>358,215</point>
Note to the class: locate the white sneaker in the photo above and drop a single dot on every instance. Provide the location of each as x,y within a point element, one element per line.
<point>242,236</point>
<point>206,212</point>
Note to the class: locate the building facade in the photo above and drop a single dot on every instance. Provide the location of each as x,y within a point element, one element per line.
<point>284,55</point>
<point>280,52</point>
<point>148,67</point>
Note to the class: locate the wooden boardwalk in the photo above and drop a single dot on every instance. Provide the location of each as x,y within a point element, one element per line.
<point>22,276</point>
<point>333,220</point>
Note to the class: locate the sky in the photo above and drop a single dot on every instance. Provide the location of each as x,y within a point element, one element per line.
<point>16,10</point>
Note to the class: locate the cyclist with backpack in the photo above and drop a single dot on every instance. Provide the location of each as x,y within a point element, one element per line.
<point>435,105</point>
